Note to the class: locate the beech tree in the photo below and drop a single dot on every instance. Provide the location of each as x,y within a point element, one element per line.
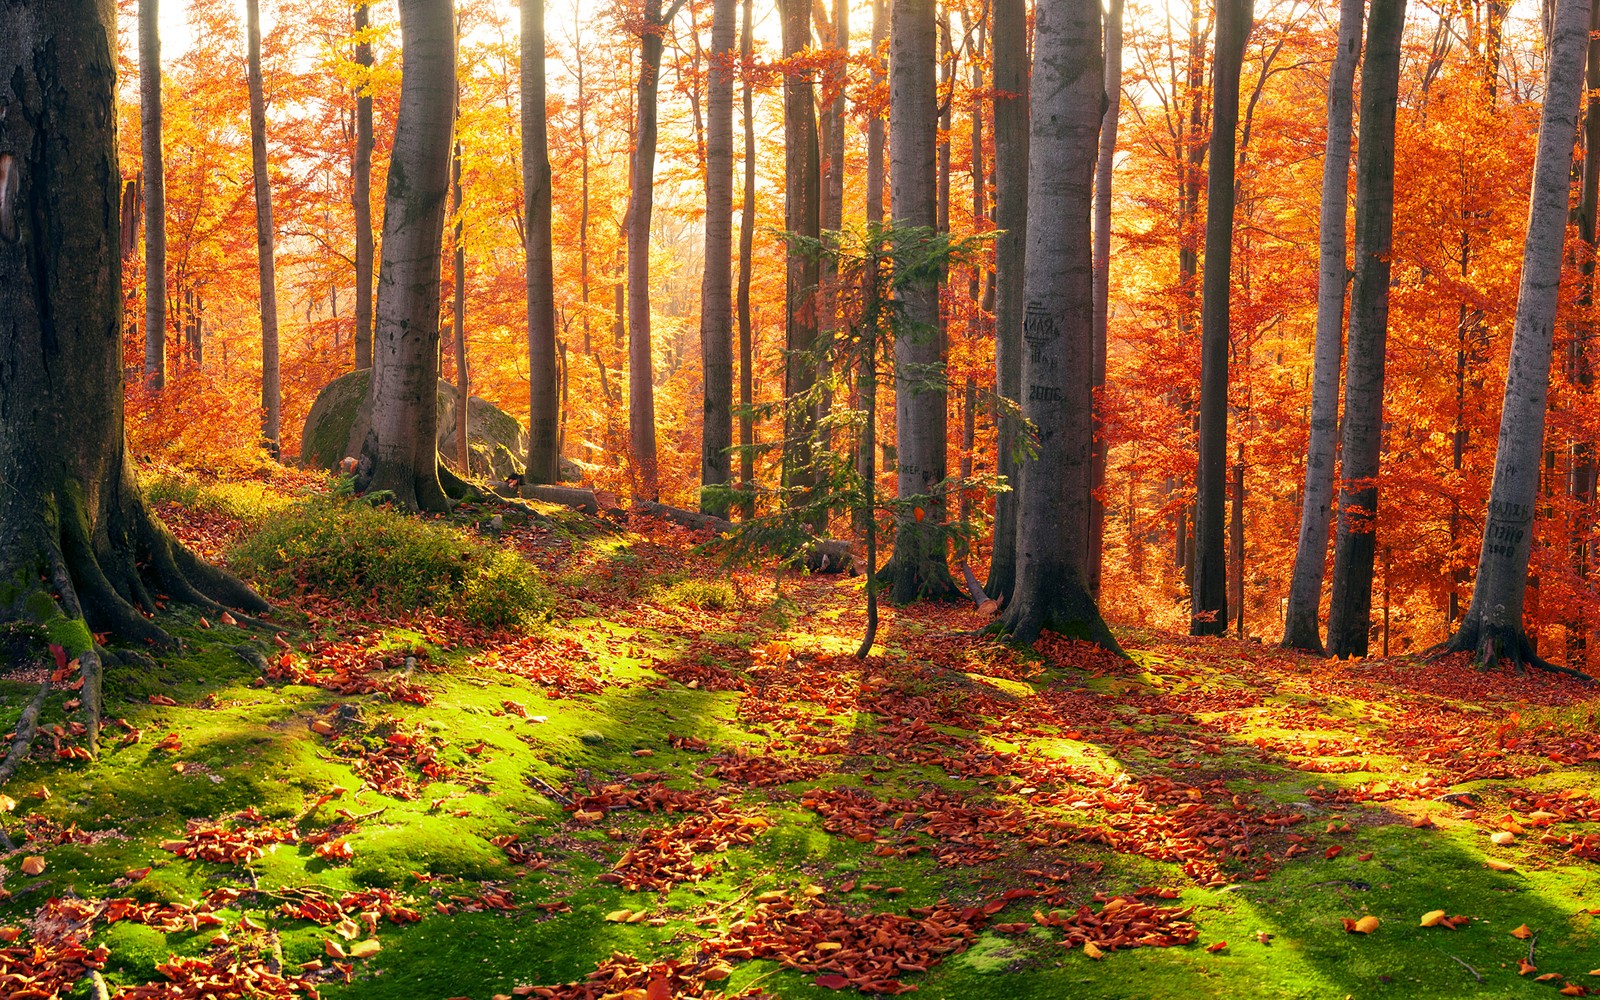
<point>80,551</point>
<point>1209,597</point>
<point>271,397</point>
<point>1350,608</point>
<point>361,187</point>
<point>747,237</point>
<point>716,298</point>
<point>1492,629</point>
<point>400,453</point>
<point>920,567</point>
<point>802,208</point>
<point>1009,50</point>
<point>1051,585</point>
<point>544,443</point>
<point>1301,630</point>
<point>155,199</point>
<point>1102,280</point>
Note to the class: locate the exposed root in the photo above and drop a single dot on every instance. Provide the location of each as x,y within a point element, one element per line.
<point>27,728</point>
<point>1493,646</point>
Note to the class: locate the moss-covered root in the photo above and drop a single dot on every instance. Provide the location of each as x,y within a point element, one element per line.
<point>1492,645</point>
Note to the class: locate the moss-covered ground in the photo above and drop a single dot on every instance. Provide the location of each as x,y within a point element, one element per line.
<point>685,781</point>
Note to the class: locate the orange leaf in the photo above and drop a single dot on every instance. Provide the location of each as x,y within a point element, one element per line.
<point>1214,948</point>
<point>1332,852</point>
<point>1522,933</point>
<point>33,865</point>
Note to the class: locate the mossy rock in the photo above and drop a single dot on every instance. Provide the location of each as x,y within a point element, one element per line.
<point>339,420</point>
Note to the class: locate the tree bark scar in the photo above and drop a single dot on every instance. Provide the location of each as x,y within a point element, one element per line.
<point>8,197</point>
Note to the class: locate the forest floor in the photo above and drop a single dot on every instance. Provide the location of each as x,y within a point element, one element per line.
<point>684,784</point>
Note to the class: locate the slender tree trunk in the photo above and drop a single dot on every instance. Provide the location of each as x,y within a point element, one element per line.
<point>361,190</point>
<point>716,306</point>
<point>155,196</point>
<point>976,315</point>
<point>1102,284</point>
<point>747,234</point>
<point>1209,598</point>
<point>1051,591</point>
<point>866,457</point>
<point>801,211</point>
<point>1493,628</point>
<point>1010,81</point>
<point>80,552</point>
<point>401,453</point>
<point>920,565</point>
<point>544,401</point>
<point>1350,608</point>
<point>459,311</point>
<point>1301,630</point>
<point>583,210</point>
<point>271,398</point>
<point>1580,361</point>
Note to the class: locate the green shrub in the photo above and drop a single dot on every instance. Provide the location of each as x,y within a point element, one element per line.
<point>247,501</point>
<point>707,595</point>
<point>344,547</point>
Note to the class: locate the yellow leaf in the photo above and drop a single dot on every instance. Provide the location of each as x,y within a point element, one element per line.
<point>619,916</point>
<point>1500,866</point>
<point>1502,837</point>
<point>1092,951</point>
<point>1366,925</point>
<point>1432,918</point>
<point>365,949</point>
<point>7,803</point>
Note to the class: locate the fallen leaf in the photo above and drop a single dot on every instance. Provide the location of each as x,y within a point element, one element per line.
<point>365,949</point>
<point>1214,948</point>
<point>1501,838</point>
<point>1432,918</point>
<point>1524,967</point>
<point>1333,852</point>
<point>1092,951</point>
<point>32,865</point>
<point>619,916</point>
<point>1500,866</point>
<point>1522,933</point>
<point>333,948</point>
<point>1366,925</point>
<point>832,982</point>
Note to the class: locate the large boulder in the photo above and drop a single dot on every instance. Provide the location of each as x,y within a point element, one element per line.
<point>340,419</point>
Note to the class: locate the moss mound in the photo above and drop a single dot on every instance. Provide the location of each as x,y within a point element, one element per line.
<point>335,545</point>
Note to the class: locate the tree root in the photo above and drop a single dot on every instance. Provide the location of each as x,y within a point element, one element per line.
<point>27,729</point>
<point>1492,646</point>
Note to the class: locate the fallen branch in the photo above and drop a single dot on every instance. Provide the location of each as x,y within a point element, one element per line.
<point>1459,962</point>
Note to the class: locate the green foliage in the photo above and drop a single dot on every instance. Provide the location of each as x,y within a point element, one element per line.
<point>247,501</point>
<point>707,595</point>
<point>343,547</point>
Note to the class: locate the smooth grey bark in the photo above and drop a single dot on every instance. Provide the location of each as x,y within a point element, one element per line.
<point>716,290</point>
<point>544,400</point>
<point>1354,552</point>
<point>271,397</point>
<point>802,208</point>
<point>641,203</point>
<point>1492,629</point>
<point>361,190</point>
<point>1581,476</point>
<point>920,567</point>
<point>458,308</point>
<point>400,453</point>
<point>80,552</point>
<point>866,447</point>
<point>1068,86</point>
<point>747,235</point>
<point>155,196</point>
<point>1102,283</point>
<point>1209,596</point>
<point>1009,50</point>
<point>1301,629</point>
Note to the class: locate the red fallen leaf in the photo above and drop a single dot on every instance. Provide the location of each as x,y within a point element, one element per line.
<point>1364,857</point>
<point>137,874</point>
<point>1020,894</point>
<point>1213,948</point>
<point>1332,852</point>
<point>993,906</point>
<point>658,989</point>
<point>1524,967</point>
<point>228,619</point>
<point>832,982</point>
<point>60,654</point>
<point>161,699</point>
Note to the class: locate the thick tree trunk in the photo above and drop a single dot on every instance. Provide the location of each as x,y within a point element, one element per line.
<point>1051,589</point>
<point>1301,630</point>
<point>1010,80</point>
<point>544,401</point>
<point>641,362</point>
<point>802,217</point>
<point>400,454</point>
<point>155,196</point>
<point>1102,284</point>
<point>1350,608</point>
<point>920,566</point>
<point>80,552</point>
<point>1209,598</point>
<point>747,235</point>
<point>1492,628</point>
<point>361,190</point>
<point>271,398</point>
<point>716,299</point>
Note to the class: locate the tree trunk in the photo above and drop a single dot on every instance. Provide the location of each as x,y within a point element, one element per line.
<point>1492,628</point>
<point>400,453</point>
<point>361,190</point>
<point>271,398</point>
<point>1350,608</point>
<point>716,306</point>
<point>1009,50</point>
<point>1301,630</point>
<point>802,218</point>
<point>747,235</point>
<point>1580,361</point>
<point>544,401</point>
<point>1209,598</point>
<point>459,311</point>
<point>1102,284</point>
<point>1051,590</point>
<point>641,366</point>
<point>920,567</point>
<point>80,552</point>
<point>155,196</point>
<point>866,457</point>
